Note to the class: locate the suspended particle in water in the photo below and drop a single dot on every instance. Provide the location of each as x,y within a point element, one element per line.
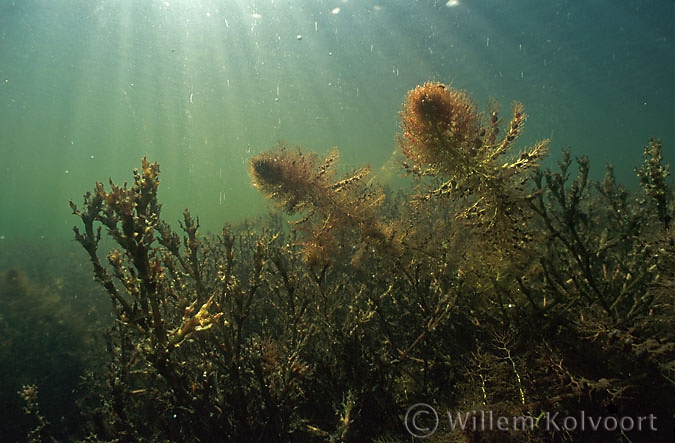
<point>299,37</point>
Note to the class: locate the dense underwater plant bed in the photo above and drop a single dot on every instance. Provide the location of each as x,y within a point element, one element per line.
<point>489,285</point>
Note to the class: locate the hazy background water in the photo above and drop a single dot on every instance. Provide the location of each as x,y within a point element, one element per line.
<point>88,87</point>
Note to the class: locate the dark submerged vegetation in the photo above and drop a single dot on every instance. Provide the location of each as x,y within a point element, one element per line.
<point>496,286</point>
<point>51,324</point>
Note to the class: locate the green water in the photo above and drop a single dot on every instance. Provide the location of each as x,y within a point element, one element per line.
<point>88,87</point>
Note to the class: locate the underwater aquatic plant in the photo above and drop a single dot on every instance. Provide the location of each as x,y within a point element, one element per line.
<point>441,129</point>
<point>29,394</point>
<point>653,175</point>
<point>444,136</point>
<point>295,180</point>
<point>336,213</point>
